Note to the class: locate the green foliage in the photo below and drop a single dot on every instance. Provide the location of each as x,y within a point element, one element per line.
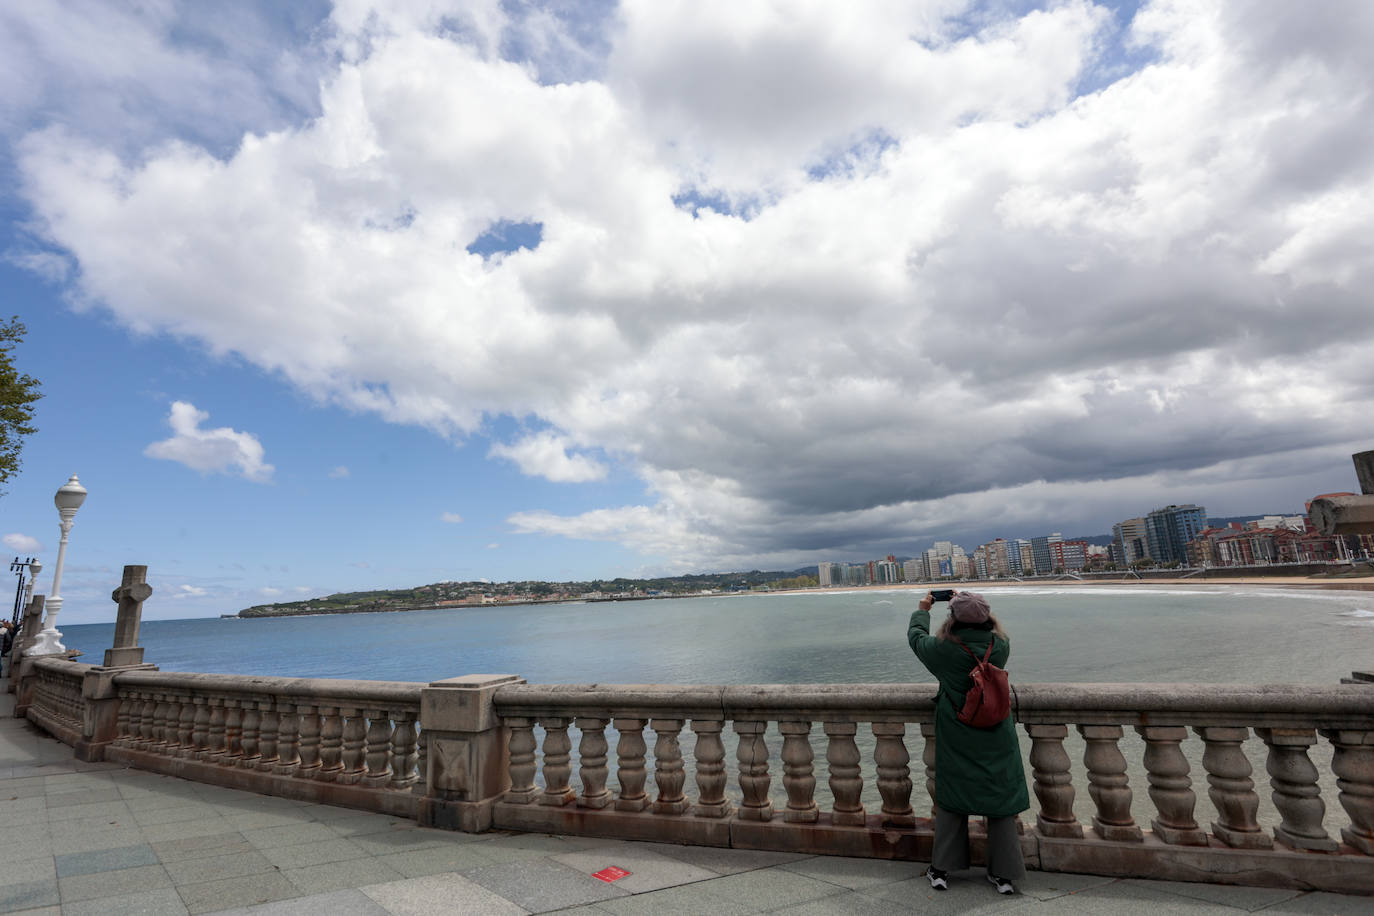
<point>18,392</point>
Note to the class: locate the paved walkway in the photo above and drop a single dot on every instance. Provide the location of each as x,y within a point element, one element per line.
<point>101,839</point>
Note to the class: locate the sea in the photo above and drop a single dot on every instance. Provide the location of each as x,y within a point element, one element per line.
<point>1204,634</point>
<point>1083,634</point>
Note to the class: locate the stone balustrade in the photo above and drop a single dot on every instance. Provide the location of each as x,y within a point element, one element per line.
<point>816,768</point>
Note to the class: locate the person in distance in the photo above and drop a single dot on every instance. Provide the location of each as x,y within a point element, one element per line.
<point>977,770</point>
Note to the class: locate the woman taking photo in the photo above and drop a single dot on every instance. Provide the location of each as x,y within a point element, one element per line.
<point>977,770</point>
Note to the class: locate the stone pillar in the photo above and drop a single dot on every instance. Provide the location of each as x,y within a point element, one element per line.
<point>1296,795</point>
<point>1353,764</point>
<point>132,592</point>
<point>21,670</point>
<point>469,751</point>
<point>1050,766</point>
<point>98,688</point>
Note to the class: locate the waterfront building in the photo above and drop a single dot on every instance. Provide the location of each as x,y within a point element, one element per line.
<point>825,574</point>
<point>1170,529</point>
<point>885,572</point>
<point>1130,541</point>
<point>1042,561</point>
<point>1068,556</point>
<point>980,563</point>
<point>997,559</point>
<point>912,570</point>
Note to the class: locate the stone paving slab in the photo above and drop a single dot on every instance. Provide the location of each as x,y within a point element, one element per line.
<point>435,894</point>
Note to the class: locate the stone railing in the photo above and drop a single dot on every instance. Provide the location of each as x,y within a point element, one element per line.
<point>807,734</point>
<point>342,742</point>
<point>56,704</point>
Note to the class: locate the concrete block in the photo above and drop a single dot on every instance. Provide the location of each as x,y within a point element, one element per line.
<point>113,883</point>
<point>102,860</point>
<point>27,895</point>
<point>463,704</point>
<point>163,902</point>
<point>334,903</point>
<point>249,890</point>
<point>317,879</point>
<point>648,870</point>
<point>540,885</point>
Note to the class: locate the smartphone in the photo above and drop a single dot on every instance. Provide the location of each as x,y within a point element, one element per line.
<point>942,594</point>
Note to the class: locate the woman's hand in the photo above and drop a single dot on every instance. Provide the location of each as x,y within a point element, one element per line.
<point>927,602</point>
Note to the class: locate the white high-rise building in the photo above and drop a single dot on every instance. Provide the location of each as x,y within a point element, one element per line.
<point>824,574</point>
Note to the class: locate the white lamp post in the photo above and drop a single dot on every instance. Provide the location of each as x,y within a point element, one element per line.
<point>68,499</point>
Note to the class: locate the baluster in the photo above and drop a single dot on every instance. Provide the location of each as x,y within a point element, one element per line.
<point>331,744</point>
<point>1170,788</point>
<point>122,720</point>
<point>1353,763</point>
<point>354,746</point>
<point>629,770</point>
<point>592,753</point>
<point>145,724</point>
<point>798,775</point>
<point>267,736</point>
<point>233,732</point>
<point>557,769</point>
<point>1053,785</point>
<point>288,740</point>
<point>845,782</point>
<point>200,728</point>
<point>928,759</point>
<point>404,750</point>
<point>1230,788</point>
<point>710,756</point>
<point>308,718</point>
<point>754,780</point>
<point>134,702</point>
<point>1294,781</point>
<point>522,788</point>
<point>252,724</point>
<point>378,756</point>
<point>186,723</point>
<point>890,758</point>
<point>217,743</point>
<point>1107,783</point>
<point>669,773</point>
<point>165,727</point>
<point>422,761</point>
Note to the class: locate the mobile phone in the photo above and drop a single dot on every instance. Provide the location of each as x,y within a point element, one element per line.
<point>942,594</point>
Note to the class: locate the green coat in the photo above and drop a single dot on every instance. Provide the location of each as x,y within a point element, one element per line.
<point>977,770</point>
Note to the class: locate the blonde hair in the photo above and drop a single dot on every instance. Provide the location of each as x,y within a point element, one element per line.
<point>949,622</point>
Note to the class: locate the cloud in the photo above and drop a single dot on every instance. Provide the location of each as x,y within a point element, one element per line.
<point>546,455</point>
<point>493,546</point>
<point>22,543</point>
<point>452,518</point>
<point>222,450</point>
<point>822,282</point>
<point>338,472</point>
<point>190,591</point>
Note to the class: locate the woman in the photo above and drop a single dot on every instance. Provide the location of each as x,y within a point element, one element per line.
<point>977,770</point>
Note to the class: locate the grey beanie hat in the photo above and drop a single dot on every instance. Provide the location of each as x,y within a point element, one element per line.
<point>969,607</point>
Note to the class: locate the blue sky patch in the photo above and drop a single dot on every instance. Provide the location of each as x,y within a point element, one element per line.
<point>505,236</point>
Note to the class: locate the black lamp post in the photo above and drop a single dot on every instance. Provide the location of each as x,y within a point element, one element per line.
<point>21,568</point>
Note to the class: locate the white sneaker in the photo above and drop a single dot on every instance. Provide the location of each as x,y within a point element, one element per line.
<point>1002,884</point>
<point>938,879</point>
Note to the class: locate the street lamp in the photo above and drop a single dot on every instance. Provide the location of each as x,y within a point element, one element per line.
<point>68,499</point>
<point>26,570</point>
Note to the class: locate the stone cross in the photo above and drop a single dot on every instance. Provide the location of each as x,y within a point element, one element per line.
<point>130,595</point>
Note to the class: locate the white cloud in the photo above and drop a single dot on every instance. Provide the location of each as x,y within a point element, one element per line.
<point>190,591</point>
<point>546,455</point>
<point>452,518</point>
<point>338,473</point>
<point>493,546</point>
<point>269,591</point>
<point>221,450</point>
<point>924,274</point>
<point>22,543</point>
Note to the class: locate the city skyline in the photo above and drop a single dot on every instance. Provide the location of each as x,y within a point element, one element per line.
<point>364,294</point>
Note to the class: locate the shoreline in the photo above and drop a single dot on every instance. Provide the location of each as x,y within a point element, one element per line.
<point>1363,584</point>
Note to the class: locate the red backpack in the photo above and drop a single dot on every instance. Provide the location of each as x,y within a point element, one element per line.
<point>988,700</point>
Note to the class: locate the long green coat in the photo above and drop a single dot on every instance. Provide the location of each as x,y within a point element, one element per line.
<point>977,770</point>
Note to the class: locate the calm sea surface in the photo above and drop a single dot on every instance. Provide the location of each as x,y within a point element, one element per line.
<point>1085,634</point>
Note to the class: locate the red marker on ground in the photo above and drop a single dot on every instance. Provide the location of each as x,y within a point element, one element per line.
<point>610,873</point>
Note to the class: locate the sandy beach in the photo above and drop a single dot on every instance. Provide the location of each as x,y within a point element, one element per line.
<point>1360,584</point>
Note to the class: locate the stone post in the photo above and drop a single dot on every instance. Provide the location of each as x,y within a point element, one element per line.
<point>23,640</point>
<point>98,689</point>
<point>469,751</point>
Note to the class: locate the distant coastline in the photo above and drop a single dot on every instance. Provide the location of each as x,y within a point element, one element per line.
<point>1355,580</point>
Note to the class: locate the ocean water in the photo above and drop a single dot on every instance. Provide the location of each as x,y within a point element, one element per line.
<point>1084,634</point>
<point>1067,634</point>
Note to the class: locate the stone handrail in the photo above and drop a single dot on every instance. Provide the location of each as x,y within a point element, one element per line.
<point>57,704</point>
<point>1288,719</point>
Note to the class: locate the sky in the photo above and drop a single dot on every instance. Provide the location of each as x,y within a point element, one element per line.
<point>385,292</point>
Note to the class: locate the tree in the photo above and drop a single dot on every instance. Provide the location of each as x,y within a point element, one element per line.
<point>18,392</point>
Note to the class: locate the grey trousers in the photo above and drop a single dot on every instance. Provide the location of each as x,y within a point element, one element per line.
<point>951,845</point>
